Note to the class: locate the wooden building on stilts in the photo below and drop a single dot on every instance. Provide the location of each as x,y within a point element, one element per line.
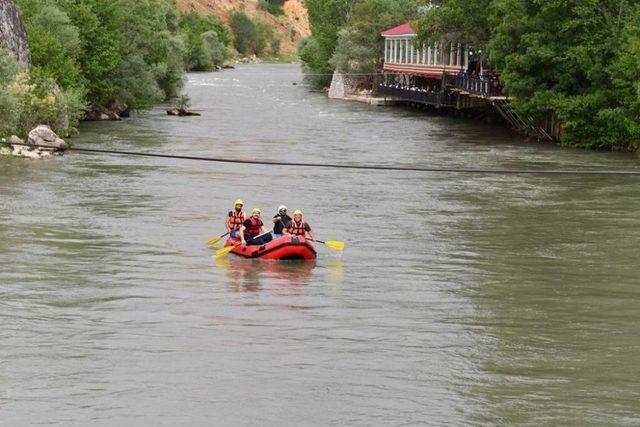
<point>448,75</point>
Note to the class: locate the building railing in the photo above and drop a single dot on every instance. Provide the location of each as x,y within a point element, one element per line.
<point>484,86</point>
<point>418,95</point>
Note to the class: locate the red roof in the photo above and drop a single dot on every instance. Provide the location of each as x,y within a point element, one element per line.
<point>400,30</point>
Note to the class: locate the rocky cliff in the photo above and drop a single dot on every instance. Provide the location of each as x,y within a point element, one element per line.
<point>13,35</point>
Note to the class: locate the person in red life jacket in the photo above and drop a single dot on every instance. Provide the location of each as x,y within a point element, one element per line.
<point>236,218</point>
<point>298,227</point>
<point>252,228</point>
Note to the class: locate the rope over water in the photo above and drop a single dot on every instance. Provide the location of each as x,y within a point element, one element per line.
<point>477,171</point>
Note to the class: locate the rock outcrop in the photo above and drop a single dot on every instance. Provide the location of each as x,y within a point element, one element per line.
<point>42,142</point>
<point>252,59</point>
<point>344,86</point>
<point>42,135</point>
<point>13,35</point>
<point>181,112</point>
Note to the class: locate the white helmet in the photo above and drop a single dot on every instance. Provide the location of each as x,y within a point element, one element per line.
<point>282,208</point>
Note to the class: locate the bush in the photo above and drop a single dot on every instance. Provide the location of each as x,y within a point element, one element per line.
<point>359,46</point>
<point>275,45</point>
<point>206,41</point>
<point>326,17</point>
<point>317,72</point>
<point>116,50</point>
<point>55,46</point>
<point>213,50</point>
<point>27,101</point>
<point>251,36</point>
<point>274,7</point>
<point>244,32</point>
<point>264,36</point>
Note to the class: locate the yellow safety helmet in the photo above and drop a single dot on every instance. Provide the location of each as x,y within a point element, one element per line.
<point>239,202</point>
<point>256,210</point>
<point>298,212</point>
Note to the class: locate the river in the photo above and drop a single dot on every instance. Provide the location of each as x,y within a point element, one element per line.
<point>460,299</point>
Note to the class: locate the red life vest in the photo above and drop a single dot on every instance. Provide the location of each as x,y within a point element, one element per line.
<point>297,229</point>
<point>254,229</point>
<point>236,219</point>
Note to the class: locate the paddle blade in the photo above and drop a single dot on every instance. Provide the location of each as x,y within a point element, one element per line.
<point>212,242</point>
<point>224,251</point>
<point>335,245</point>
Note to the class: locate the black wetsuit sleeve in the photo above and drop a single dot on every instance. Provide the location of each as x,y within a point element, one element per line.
<point>277,226</point>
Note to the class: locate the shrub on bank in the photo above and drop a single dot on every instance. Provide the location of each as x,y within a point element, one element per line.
<point>26,101</point>
<point>252,36</point>
<point>206,41</point>
<point>274,7</point>
<point>121,50</point>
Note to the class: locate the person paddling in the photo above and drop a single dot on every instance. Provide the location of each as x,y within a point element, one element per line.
<point>279,221</point>
<point>236,218</point>
<point>298,227</point>
<point>252,228</point>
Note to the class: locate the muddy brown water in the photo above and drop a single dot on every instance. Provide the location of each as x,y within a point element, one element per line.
<point>461,299</point>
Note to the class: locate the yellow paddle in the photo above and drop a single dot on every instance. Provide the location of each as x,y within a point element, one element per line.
<point>225,250</point>
<point>333,244</point>
<point>215,240</point>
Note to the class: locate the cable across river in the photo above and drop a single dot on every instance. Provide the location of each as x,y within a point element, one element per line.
<point>431,169</point>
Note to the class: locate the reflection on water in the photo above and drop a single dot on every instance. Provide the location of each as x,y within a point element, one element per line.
<point>249,275</point>
<point>460,300</point>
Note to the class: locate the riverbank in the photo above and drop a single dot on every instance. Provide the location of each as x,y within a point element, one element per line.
<point>363,89</point>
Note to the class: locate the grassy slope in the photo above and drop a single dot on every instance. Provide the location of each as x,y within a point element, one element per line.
<point>292,26</point>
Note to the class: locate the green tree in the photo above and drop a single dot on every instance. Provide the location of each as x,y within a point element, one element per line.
<point>207,39</point>
<point>55,44</point>
<point>556,57</point>
<point>575,59</point>
<point>152,53</point>
<point>360,47</point>
<point>117,50</point>
<point>27,101</point>
<point>9,114</point>
<point>461,21</point>
<point>623,118</point>
<point>101,45</point>
<point>327,18</point>
<point>244,32</point>
<point>250,36</point>
<point>264,36</point>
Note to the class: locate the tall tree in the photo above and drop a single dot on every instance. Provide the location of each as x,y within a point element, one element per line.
<point>360,47</point>
<point>326,17</point>
<point>556,56</point>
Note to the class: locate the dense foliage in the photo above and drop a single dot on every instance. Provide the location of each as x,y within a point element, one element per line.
<point>326,17</point>
<point>575,59</point>
<point>95,54</point>
<point>272,6</point>
<point>117,50</point>
<point>360,47</point>
<point>253,36</point>
<point>26,101</point>
<point>346,35</point>
<point>207,39</point>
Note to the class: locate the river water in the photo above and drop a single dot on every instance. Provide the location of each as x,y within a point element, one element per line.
<point>460,299</point>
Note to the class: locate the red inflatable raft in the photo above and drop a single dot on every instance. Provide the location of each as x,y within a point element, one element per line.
<point>285,248</point>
